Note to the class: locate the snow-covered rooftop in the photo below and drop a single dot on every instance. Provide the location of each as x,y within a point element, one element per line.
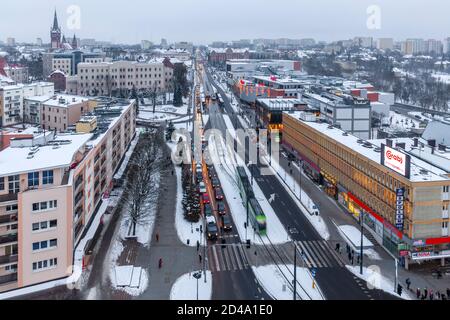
<point>15,160</point>
<point>347,140</point>
<point>64,100</point>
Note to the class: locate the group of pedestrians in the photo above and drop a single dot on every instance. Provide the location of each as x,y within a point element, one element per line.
<point>426,294</point>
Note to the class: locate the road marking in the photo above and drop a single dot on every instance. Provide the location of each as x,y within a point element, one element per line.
<point>216,258</point>
<point>326,253</point>
<point>316,250</point>
<point>238,261</point>
<point>310,262</point>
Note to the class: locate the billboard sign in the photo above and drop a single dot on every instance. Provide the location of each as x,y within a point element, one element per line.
<point>400,208</point>
<point>396,160</point>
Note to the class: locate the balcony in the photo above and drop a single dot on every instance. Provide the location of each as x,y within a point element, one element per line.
<point>8,238</point>
<point>8,197</point>
<point>78,197</point>
<point>78,182</point>
<point>8,278</point>
<point>8,259</point>
<point>9,218</point>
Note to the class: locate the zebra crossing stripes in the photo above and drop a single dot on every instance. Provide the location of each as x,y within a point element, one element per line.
<point>229,258</point>
<point>319,254</point>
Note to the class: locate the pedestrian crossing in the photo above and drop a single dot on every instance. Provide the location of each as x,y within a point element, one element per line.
<point>319,254</point>
<point>230,257</point>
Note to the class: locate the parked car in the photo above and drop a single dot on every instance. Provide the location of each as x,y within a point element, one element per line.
<point>207,209</point>
<point>215,182</point>
<point>205,198</point>
<point>212,231</point>
<point>202,187</point>
<point>226,223</point>
<point>221,208</point>
<point>218,193</point>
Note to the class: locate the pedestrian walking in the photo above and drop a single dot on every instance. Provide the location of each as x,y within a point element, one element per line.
<point>160,263</point>
<point>408,283</point>
<point>425,293</point>
<point>157,237</point>
<point>338,247</point>
<point>438,295</point>
<point>431,295</point>
<point>198,245</point>
<point>418,293</point>
<point>448,292</point>
<point>200,258</point>
<point>172,172</point>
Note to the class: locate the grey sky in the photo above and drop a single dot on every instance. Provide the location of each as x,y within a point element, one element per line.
<point>203,21</point>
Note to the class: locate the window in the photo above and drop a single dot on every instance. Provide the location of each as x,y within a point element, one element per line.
<point>12,207</point>
<point>445,189</point>
<point>46,205</point>
<point>2,183</point>
<point>53,223</point>
<point>13,184</point>
<point>53,243</point>
<point>47,177</point>
<point>33,179</point>
<point>35,226</point>
<point>45,264</point>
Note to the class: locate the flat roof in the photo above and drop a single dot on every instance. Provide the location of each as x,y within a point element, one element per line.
<point>15,160</point>
<point>69,100</point>
<point>433,173</point>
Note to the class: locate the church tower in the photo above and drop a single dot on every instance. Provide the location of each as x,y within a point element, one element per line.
<point>74,42</point>
<point>55,34</point>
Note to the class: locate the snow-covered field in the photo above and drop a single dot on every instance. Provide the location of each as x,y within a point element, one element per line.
<point>185,287</point>
<point>401,122</point>
<point>293,188</point>
<point>276,285</point>
<point>375,279</point>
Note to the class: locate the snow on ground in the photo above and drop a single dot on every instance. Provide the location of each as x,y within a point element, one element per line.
<point>372,254</point>
<point>225,168</point>
<point>376,280</point>
<point>352,236</point>
<point>157,116</point>
<point>121,276</point>
<point>275,284</point>
<point>182,110</point>
<point>442,77</point>
<point>293,188</point>
<point>185,287</point>
<point>401,122</point>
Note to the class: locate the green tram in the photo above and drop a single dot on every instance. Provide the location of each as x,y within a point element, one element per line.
<point>255,213</point>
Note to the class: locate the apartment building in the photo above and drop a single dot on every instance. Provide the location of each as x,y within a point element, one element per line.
<point>12,100</point>
<point>403,200</point>
<point>51,191</point>
<point>17,73</point>
<point>59,112</point>
<point>68,61</point>
<point>106,78</point>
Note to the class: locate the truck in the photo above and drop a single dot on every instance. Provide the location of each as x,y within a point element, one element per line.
<point>312,208</point>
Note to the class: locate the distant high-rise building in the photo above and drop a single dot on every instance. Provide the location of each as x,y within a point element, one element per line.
<point>363,42</point>
<point>145,44</point>
<point>307,42</point>
<point>385,44</point>
<point>447,45</point>
<point>164,43</point>
<point>433,46</point>
<point>413,46</point>
<point>39,42</point>
<point>55,34</point>
<point>11,42</point>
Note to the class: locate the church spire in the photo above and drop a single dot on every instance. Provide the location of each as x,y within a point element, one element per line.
<point>55,22</point>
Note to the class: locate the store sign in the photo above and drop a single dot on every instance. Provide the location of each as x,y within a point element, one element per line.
<point>430,255</point>
<point>422,255</point>
<point>400,208</point>
<point>396,160</point>
<point>404,253</point>
<point>419,243</point>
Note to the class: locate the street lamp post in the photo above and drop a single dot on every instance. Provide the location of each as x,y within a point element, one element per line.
<point>361,215</point>
<point>197,276</point>
<point>295,271</point>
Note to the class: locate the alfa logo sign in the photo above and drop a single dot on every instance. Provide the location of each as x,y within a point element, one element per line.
<point>400,208</point>
<point>396,160</point>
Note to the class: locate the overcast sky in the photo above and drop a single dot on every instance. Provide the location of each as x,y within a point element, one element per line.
<point>203,21</point>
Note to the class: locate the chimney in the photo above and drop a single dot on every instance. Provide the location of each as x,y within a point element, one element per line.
<point>442,147</point>
<point>401,145</point>
<point>389,142</point>
<point>432,150</point>
<point>416,142</point>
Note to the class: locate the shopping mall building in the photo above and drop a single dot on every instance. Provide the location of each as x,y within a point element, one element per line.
<point>403,200</point>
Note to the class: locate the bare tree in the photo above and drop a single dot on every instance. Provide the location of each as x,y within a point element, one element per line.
<point>143,180</point>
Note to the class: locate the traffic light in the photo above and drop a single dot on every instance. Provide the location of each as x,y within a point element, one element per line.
<point>399,289</point>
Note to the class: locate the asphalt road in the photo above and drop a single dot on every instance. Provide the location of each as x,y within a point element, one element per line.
<point>336,283</point>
